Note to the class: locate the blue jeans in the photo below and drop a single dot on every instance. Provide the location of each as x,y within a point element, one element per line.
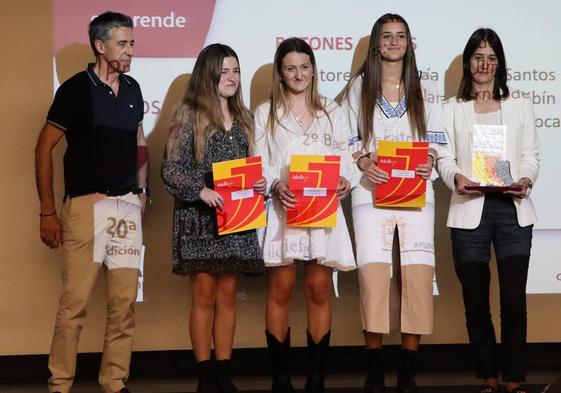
<point>472,252</point>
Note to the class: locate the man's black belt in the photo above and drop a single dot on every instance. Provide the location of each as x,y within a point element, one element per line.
<point>111,192</point>
<point>121,192</point>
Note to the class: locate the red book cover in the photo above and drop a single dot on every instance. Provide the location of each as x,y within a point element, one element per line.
<point>244,209</point>
<point>399,160</point>
<point>314,181</point>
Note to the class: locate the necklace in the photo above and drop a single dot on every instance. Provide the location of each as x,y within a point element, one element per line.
<point>299,119</point>
<point>392,83</point>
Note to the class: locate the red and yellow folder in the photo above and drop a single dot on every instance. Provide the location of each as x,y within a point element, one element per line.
<point>399,160</point>
<point>314,181</point>
<point>244,209</point>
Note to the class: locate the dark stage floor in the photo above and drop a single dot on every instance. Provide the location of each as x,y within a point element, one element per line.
<point>430,383</point>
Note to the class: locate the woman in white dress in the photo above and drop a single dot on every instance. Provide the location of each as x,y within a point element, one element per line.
<point>386,100</point>
<point>297,120</point>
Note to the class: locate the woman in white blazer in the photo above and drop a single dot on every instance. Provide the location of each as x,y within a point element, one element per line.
<point>478,219</point>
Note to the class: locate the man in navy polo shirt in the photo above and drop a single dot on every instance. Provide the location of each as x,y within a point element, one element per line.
<point>100,112</point>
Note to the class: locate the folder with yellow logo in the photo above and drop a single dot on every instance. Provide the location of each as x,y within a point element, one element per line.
<point>244,208</point>
<point>314,181</point>
<point>399,160</point>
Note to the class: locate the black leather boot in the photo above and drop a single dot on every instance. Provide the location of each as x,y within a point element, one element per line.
<point>224,378</point>
<point>375,372</point>
<point>317,358</point>
<point>406,372</point>
<point>279,356</point>
<point>207,377</point>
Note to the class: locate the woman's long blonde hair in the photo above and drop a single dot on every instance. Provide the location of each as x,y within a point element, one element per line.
<point>200,108</point>
<point>279,95</point>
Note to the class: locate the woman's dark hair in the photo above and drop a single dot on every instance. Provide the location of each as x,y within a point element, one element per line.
<point>371,85</point>
<point>477,39</point>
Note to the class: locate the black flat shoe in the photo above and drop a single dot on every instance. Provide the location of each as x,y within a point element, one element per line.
<point>489,389</point>
<point>517,389</point>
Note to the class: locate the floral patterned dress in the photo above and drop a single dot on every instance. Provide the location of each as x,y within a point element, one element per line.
<point>197,247</point>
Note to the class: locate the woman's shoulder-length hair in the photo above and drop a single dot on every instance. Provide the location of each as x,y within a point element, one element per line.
<point>481,37</point>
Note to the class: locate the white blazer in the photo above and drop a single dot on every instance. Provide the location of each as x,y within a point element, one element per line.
<point>522,151</point>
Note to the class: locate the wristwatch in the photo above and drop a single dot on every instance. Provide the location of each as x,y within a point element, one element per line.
<point>143,190</point>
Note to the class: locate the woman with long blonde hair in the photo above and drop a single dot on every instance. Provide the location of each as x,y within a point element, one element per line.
<point>210,125</point>
<point>297,120</point>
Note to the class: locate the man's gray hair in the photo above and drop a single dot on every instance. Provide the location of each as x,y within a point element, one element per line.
<point>100,27</point>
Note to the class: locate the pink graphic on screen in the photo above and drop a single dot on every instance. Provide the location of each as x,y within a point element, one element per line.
<point>164,28</point>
